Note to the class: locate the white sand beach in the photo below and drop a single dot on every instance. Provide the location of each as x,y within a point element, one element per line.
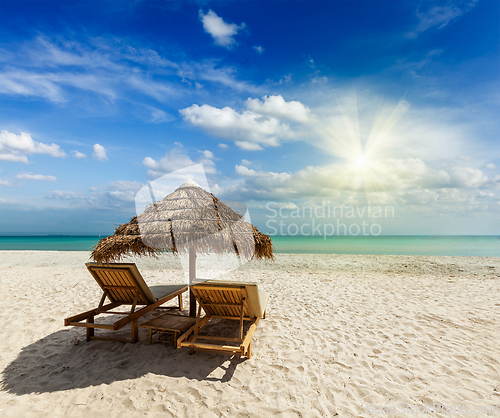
<point>342,332</point>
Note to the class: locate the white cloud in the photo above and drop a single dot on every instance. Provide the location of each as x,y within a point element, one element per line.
<point>253,129</point>
<point>78,154</point>
<point>207,154</point>
<point>467,177</point>
<point>223,146</point>
<point>221,31</point>
<point>64,195</point>
<point>246,162</point>
<point>119,191</point>
<point>277,107</point>
<point>386,177</point>
<point>490,166</point>
<point>248,146</point>
<point>259,49</point>
<point>176,159</point>
<point>248,172</point>
<point>4,183</point>
<point>172,161</point>
<point>99,152</point>
<point>248,129</point>
<point>485,194</point>
<point>39,177</point>
<point>15,147</point>
<point>463,157</point>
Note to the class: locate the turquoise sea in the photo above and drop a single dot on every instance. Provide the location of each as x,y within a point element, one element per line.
<point>481,246</point>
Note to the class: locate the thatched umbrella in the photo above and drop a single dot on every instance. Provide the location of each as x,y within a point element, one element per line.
<point>189,220</point>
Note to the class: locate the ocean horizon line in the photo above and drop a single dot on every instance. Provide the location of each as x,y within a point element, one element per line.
<point>429,245</point>
<point>273,236</point>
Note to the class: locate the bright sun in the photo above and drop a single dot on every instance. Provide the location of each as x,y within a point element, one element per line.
<point>361,162</point>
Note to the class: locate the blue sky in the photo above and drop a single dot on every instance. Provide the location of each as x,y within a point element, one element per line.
<point>354,103</point>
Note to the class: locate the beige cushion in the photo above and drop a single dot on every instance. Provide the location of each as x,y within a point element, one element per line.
<point>257,298</point>
<point>162,290</point>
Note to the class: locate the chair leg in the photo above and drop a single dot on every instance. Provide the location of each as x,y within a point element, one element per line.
<point>135,331</point>
<point>90,331</point>
<point>241,320</point>
<point>192,304</point>
<point>181,308</point>
<point>197,329</point>
<point>249,351</point>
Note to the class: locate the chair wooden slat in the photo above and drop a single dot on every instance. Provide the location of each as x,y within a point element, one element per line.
<point>119,278</point>
<point>122,284</point>
<point>138,290</point>
<point>224,302</point>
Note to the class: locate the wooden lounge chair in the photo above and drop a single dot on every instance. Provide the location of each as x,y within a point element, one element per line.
<point>122,284</point>
<point>227,300</point>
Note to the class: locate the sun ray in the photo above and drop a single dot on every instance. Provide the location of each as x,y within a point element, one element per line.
<point>363,166</point>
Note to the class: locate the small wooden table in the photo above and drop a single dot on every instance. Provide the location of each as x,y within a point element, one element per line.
<point>168,324</point>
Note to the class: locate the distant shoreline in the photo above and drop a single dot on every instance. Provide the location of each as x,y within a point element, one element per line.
<point>272,236</point>
<point>423,245</point>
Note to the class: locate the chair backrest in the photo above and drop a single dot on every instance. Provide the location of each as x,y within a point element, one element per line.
<point>122,283</point>
<point>222,298</point>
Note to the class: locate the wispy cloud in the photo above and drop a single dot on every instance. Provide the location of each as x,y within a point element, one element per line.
<point>439,16</point>
<point>16,147</point>
<point>112,195</point>
<point>222,32</point>
<point>110,69</point>
<point>159,116</point>
<point>38,177</point>
<point>50,68</point>
<point>65,195</point>
<point>116,193</point>
<point>209,70</point>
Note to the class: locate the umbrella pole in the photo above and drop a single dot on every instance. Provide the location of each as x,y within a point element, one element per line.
<point>192,276</point>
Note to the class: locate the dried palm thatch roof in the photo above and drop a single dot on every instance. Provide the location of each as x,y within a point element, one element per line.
<point>188,217</point>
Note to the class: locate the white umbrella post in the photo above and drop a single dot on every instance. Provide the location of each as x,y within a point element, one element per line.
<point>192,277</point>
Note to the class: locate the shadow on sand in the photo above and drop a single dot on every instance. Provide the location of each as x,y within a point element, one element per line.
<point>64,360</point>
